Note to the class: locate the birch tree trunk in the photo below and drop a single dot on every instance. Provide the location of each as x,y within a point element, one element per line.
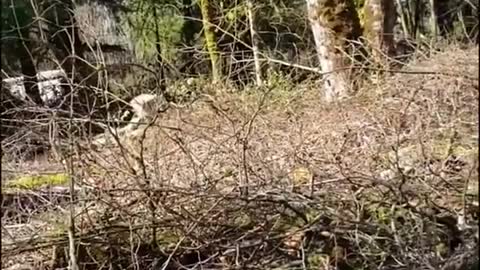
<point>333,23</point>
<point>380,17</point>
<point>253,34</point>
<point>210,39</point>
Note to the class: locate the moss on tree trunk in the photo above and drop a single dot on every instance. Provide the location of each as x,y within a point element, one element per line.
<point>380,17</point>
<point>210,39</point>
<point>333,23</point>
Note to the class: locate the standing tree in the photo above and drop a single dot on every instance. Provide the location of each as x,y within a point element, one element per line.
<point>411,12</point>
<point>210,39</point>
<point>191,26</point>
<point>253,34</point>
<point>433,19</point>
<point>380,17</point>
<point>333,23</point>
<point>17,40</point>
<point>158,46</point>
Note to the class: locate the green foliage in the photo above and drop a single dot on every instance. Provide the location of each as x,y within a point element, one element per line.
<point>150,24</point>
<point>278,81</point>
<point>235,13</point>
<point>184,92</point>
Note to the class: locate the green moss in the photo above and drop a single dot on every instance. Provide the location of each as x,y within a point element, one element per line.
<point>236,13</point>
<point>439,148</point>
<point>228,172</point>
<point>243,220</point>
<point>359,4</point>
<point>168,237</point>
<point>380,214</point>
<point>377,26</point>
<point>369,20</point>
<point>36,181</point>
<point>384,215</point>
<point>210,38</point>
<point>442,148</point>
<point>341,16</point>
<point>286,224</point>
<point>317,260</point>
<point>60,229</point>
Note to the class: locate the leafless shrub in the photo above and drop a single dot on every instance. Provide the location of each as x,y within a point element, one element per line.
<point>380,181</point>
<point>376,182</point>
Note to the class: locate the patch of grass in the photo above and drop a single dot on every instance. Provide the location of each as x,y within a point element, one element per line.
<point>384,215</point>
<point>36,181</point>
<point>243,220</point>
<point>167,237</point>
<point>317,260</point>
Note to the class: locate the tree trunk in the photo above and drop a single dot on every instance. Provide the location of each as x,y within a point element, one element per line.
<point>433,19</point>
<point>417,21</point>
<point>404,19</point>
<point>19,19</point>
<point>191,26</point>
<point>210,39</point>
<point>158,47</point>
<point>253,34</point>
<point>28,67</point>
<point>333,23</point>
<point>380,17</point>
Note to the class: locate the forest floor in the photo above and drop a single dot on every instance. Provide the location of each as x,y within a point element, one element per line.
<point>385,180</point>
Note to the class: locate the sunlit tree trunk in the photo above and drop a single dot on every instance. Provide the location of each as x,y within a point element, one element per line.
<point>253,35</point>
<point>333,23</point>
<point>380,17</point>
<point>433,19</point>
<point>210,39</point>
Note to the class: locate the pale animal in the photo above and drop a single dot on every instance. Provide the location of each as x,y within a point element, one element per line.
<point>148,105</point>
<point>143,109</point>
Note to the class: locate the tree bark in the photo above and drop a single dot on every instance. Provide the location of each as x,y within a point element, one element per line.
<point>380,17</point>
<point>20,18</point>
<point>210,39</point>
<point>333,23</point>
<point>158,47</point>
<point>433,19</point>
<point>404,19</point>
<point>191,26</point>
<point>253,34</point>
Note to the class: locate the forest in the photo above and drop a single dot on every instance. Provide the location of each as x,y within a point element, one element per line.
<point>239,134</point>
